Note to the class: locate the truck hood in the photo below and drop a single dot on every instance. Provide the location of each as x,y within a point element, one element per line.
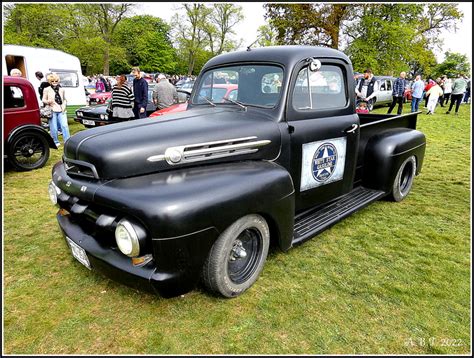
<point>194,137</point>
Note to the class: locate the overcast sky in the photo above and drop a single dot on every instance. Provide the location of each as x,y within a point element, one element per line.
<point>459,41</point>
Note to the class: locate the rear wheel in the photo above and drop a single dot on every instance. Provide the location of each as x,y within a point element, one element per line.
<point>237,257</point>
<point>28,151</point>
<point>404,179</point>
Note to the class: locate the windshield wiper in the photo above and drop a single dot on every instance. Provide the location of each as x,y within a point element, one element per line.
<point>208,100</point>
<point>235,102</point>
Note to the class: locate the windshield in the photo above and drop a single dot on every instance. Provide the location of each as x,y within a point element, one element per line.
<point>253,85</point>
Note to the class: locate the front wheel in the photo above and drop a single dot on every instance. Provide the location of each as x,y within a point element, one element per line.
<point>28,151</point>
<point>404,179</point>
<point>237,257</point>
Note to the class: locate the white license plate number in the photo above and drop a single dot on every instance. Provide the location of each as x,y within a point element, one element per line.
<point>79,253</point>
<point>89,123</point>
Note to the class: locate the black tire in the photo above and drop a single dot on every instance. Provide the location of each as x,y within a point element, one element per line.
<point>226,271</point>
<point>28,151</point>
<point>404,179</point>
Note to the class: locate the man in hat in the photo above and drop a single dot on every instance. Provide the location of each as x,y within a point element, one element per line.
<point>164,93</point>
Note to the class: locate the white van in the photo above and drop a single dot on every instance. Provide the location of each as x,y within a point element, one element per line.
<point>31,59</point>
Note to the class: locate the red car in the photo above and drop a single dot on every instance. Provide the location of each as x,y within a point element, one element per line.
<point>99,97</point>
<point>26,143</point>
<point>220,91</point>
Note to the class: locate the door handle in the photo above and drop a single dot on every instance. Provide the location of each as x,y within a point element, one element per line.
<point>352,129</point>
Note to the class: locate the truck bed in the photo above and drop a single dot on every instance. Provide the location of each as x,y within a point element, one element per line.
<point>372,124</point>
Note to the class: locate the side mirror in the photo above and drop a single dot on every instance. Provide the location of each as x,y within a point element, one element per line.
<point>183,95</point>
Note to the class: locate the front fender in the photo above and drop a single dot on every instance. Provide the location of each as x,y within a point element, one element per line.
<point>31,127</point>
<point>386,151</point>
<point>176,203</point>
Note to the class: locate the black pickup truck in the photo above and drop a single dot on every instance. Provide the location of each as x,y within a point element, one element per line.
<point>160,204</point>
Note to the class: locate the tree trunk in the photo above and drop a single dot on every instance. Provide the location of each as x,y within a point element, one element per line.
<point>106,60</point>
<point>191,60</point>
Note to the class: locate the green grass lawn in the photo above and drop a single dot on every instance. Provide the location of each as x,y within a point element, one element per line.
<point>392,278</point>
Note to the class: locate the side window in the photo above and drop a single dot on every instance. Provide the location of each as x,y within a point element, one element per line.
<point>389,85</point>
<point>13,97</point>
<point>68,79</point>
<point>382,86</point>
<point>323,89</point>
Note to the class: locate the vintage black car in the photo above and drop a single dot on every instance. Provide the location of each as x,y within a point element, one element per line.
<point>163,202</point>
<point>93,116</point>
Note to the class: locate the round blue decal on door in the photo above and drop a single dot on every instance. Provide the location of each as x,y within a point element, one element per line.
<point>324,162</point>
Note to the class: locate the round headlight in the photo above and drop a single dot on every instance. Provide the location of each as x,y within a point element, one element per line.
<point>53,192</point>
<point>106,116</point>
<point>79,114</point>
<point>127,238</point>
<point>102,116</point>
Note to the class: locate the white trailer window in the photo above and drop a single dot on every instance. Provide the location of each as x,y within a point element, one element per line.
<point>68,79</point>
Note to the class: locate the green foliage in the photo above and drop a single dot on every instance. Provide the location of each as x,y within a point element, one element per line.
<point>200,30</point>
<point>267,36</point>
<point>145,39</point>
<point>314,24</point>
<point>453,64</point>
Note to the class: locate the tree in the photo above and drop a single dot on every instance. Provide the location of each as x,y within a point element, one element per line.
<point>146,42</point>
<point>266,36</point>
<point>222,20</point>
<point>31,25</point>
<point>309,24</point>
<point>104,18</point>
<point>190,34</point>
<point>390,38</point>
<point>453,64</point>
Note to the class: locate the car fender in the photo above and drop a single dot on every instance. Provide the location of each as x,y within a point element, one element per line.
<point>30,127</point>
<point>176,203</point>
<point>386,151</point>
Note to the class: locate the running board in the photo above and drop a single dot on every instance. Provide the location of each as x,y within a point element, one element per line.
<point>313,221</point>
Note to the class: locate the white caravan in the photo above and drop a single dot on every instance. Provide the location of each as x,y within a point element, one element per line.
<point>31,59</point>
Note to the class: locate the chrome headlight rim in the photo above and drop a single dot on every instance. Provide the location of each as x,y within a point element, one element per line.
<point>53,192</point>
<point>132,237</point>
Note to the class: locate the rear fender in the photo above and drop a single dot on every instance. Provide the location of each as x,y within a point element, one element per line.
<point>30,128</point>
<point>386,151</point>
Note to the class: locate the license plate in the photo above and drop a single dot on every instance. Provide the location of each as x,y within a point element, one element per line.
<point>89,123</point>
<point>79,253</point>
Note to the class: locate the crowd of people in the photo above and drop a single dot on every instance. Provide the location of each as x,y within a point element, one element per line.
<point>441,91</point>
<point>129,101</point>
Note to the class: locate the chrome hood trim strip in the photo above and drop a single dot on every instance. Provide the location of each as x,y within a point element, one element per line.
<point>209,150</point>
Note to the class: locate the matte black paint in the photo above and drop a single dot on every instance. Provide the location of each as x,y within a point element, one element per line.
<point>185,207</point>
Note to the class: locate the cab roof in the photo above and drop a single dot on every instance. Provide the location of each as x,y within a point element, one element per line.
<point>288,56</point>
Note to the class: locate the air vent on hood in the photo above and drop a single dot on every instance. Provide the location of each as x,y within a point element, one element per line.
<point>210,150</point>
<point>80,168</point>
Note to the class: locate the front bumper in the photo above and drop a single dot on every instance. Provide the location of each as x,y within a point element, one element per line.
<point>113,264</point>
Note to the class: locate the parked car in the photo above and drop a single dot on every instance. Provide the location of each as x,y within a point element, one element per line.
<point>26,143</point>
<point>181,83</point>
<point>384,95</point>
<point>161,204</point>
<point>99,97</point>
<point>93,116</point>
<point>218,93</point>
